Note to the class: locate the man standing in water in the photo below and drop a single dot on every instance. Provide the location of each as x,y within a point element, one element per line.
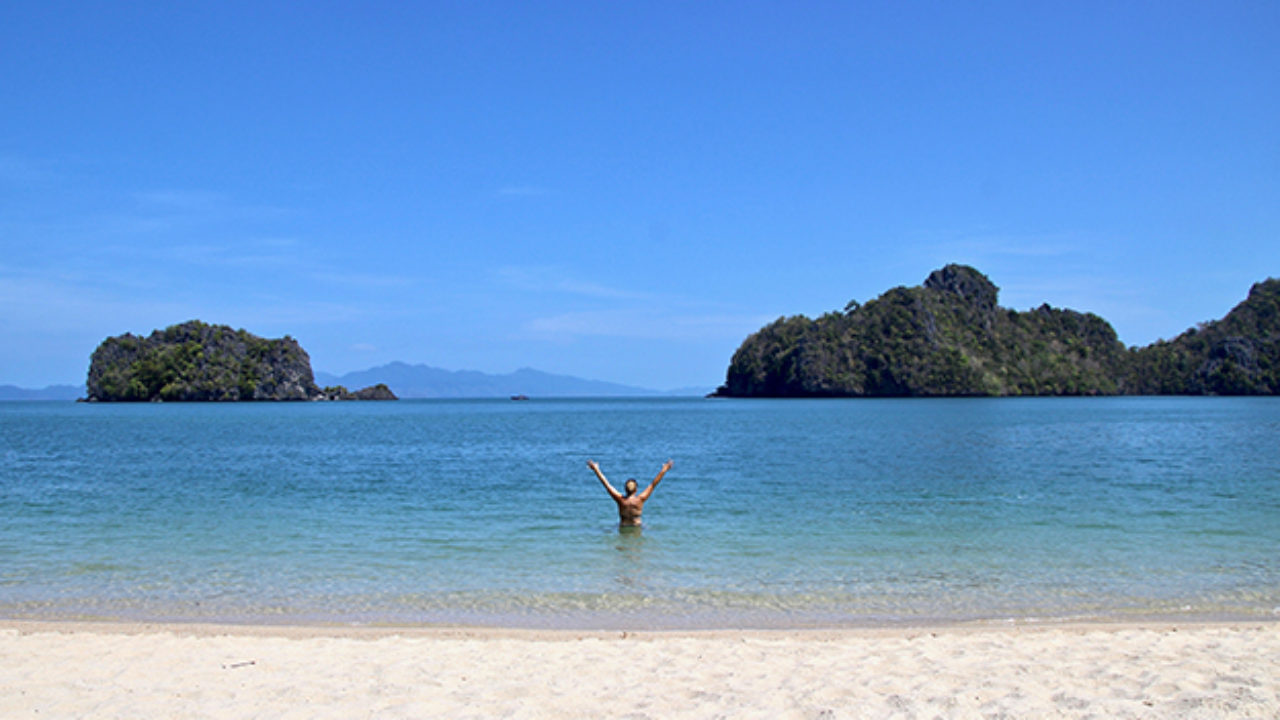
<point>630,505</point>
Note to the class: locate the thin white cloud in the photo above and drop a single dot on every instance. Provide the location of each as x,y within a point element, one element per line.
<point>279,242</point>
<point>642,324</point>
<point>70,301</point>
<point>984,249</point>
<point>284,256</point>
<point>63,304</point>
<point>151,215</point>
<point>596,290</point>
<point>267,253</point>
<point>523,191</point>
<point>23,172</point>
<point>362,280</point>
<point>170,208</point>
<point>182,200</point>
<point>551,278</point>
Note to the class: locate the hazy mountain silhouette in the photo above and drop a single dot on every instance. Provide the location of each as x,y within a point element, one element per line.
<point>52,392</point>
<point>424,381</point>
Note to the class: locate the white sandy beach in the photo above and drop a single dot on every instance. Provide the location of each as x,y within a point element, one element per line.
<point>81,670</point>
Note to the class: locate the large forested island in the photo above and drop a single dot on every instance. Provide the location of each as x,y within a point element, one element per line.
<point>949,337</point>
<point>196,361</point>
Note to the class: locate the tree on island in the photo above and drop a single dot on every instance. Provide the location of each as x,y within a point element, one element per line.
<point>195,361</point>
<point>949,338</point>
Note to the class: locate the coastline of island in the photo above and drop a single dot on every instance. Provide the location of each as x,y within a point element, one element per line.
<point>950,338</point>
<point>198,362</point>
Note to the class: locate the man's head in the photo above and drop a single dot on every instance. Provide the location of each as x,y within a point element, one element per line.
<point>631,486</point>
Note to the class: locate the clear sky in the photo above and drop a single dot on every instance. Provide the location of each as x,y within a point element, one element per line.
<point>617,190</point>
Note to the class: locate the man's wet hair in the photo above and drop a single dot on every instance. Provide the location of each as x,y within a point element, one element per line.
<point>631,485</point>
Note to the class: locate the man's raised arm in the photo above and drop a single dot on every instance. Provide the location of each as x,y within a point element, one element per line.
<point>595,468</point>
<point>649,490</point>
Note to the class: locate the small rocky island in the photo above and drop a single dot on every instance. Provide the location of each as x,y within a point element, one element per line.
<point>197,362</point>
<point>949,338</point>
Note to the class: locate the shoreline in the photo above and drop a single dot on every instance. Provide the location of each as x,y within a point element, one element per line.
<point>1135,670</point>
<point>374,631</point>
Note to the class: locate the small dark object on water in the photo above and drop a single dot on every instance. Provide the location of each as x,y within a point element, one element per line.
<point>519,397</point>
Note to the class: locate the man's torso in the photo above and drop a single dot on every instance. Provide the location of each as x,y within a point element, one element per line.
<point>629,509</point>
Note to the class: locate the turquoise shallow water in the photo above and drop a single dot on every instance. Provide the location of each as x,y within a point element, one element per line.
<point>777,514</point>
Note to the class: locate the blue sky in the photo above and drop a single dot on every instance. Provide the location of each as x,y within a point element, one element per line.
<point>621,190</point>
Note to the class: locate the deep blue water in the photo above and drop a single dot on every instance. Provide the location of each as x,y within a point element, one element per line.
<point>777,513</point>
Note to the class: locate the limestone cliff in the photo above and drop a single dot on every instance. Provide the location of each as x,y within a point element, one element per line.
<point>949,337</point>
<point>196,361</point>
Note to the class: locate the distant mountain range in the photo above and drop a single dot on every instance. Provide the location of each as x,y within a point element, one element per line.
<point>423,381</point>
<point>10,393</point>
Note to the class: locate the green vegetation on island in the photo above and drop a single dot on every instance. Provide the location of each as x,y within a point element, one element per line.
<point>196,361</point>
<point>949,337</point>
<point>373,392</point>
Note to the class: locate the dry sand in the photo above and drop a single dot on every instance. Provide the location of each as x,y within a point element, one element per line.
<point>79,670</point>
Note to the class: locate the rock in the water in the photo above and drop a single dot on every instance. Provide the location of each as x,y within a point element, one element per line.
<point>376,392</point>
<point>373,392</point>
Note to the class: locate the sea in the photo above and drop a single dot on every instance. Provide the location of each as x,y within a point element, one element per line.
<point>776,514</point>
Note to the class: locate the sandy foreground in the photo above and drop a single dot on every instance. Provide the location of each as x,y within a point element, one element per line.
<point>81,670</point>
